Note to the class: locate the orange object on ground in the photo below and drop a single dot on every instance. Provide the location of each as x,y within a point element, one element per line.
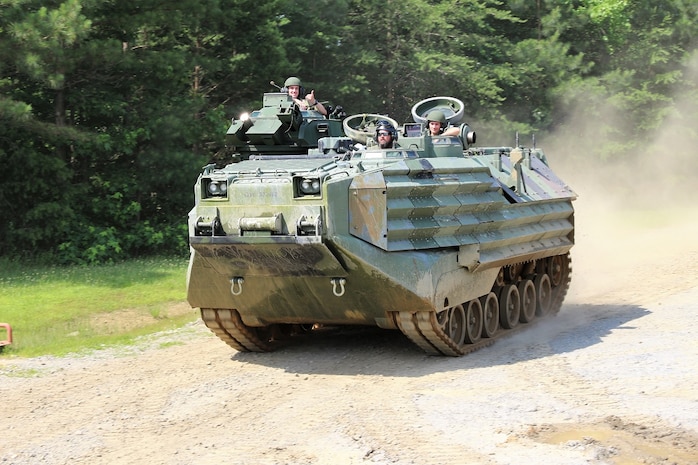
<point>8,340</point>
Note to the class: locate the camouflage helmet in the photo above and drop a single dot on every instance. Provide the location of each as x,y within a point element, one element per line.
<point>385,125</point>
<point>293,81</point>
<point>437,115</point>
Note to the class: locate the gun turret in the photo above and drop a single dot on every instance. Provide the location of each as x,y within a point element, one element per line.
<point>280,127</point>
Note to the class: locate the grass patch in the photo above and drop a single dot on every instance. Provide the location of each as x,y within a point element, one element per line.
<point>59,310</point>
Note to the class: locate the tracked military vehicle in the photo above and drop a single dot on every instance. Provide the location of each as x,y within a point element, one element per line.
<point>314,226</point>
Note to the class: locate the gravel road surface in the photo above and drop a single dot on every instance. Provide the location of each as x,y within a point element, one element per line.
<point>611,380</point>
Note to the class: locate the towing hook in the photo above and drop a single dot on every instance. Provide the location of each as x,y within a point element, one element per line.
<point>338,286</point>
<point>236,285</point>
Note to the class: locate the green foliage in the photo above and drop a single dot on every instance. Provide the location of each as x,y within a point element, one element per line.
<point>93,245</point>
<point>47,38</point>
<point>109,109</point>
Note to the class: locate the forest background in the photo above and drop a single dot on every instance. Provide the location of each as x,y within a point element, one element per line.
<point>109,109</point>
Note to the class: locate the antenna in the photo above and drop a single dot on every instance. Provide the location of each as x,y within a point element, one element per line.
<point>274,84</point>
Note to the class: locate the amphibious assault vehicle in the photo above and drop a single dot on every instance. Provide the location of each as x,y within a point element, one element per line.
<point>314,226</point>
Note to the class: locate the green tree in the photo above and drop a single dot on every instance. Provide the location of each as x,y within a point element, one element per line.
<point>639,51</point>
<point>37,45</point>
<point>125,102</point>
<point>385,56</point>
<point>110,108</point>
<point>315,40</point>
<point>397,53</point>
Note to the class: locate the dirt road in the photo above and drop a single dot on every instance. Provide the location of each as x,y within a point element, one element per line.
<point>611,380</point>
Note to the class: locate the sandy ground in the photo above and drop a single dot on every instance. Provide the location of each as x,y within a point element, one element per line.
<point>611,380</point>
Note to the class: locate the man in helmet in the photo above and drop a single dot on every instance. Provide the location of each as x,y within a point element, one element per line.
<point>437,124</point>
<point>386,135</point>
<point>294,87</point>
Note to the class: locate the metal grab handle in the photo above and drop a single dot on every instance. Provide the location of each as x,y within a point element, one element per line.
<point>236,283</point>
<point>338,283</point>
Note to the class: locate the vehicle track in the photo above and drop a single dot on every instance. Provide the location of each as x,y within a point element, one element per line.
<point>457,331</point>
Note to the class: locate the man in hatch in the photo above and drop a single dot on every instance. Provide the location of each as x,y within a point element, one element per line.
<point>437,124</point>
<point>294,87</point>
<point>386,135</point>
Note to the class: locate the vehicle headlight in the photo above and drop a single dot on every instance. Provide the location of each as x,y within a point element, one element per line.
<point>310,186</point>
<point>307,186</point>
<point>217,188</point>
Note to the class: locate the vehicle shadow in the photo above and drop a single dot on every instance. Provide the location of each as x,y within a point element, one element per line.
<point>373,351</point>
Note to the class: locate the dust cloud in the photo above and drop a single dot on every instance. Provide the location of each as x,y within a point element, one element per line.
<point>633,210</point>
<point>657,175</point>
